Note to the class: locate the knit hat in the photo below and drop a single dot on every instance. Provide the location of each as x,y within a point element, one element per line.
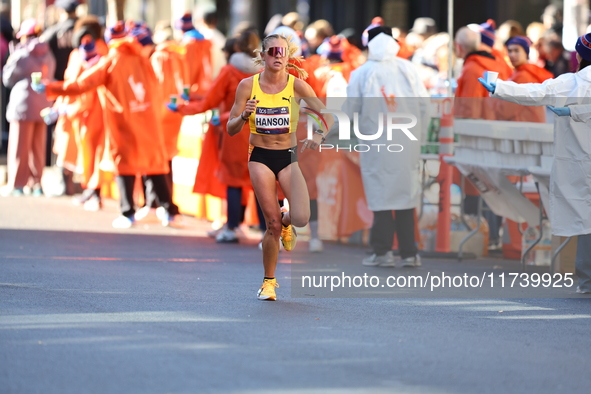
<point>583,46</point>
<point>87,48</point>
<point>130,24</point>
<point>334,49</point>
<point>185,23</point>
<point>375,22</point>
<point>520,40</point>
<point>116,31</point>
<point>142,34</point>
<point>487,32</point>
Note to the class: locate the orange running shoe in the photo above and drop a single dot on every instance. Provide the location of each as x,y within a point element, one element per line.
<point>288,237</point>
<point>267,290</point>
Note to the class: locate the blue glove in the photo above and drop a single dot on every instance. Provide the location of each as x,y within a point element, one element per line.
<point>185,97</point>
<point>560,111</point>
<point>489,86</point>
<point>38,88</point>
<point>215,120</point>
<point>172,107</point>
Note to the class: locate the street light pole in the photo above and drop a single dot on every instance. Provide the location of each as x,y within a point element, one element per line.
<point>450,30</point>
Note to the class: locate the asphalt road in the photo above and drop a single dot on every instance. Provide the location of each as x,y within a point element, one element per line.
<point>88,309</point>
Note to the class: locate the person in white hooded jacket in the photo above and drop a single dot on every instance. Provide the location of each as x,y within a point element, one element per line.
<point>28,132</point>
<point>570,178</point>
<point>390,168</point>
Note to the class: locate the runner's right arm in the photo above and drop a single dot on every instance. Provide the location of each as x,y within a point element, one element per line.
<point>243,107</point>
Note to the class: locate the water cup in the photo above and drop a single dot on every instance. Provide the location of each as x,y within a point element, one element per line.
<point>173,99</point>
<point>45,111</point>
<point>36,78</point>
<point>491,76</point>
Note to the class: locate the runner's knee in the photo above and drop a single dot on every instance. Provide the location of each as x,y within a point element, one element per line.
<point>274,227</point>
<point>300,219</point>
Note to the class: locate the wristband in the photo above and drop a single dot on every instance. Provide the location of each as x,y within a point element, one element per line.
<point>242,117</point>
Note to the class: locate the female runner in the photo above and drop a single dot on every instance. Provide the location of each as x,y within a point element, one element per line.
<point>269,102</point>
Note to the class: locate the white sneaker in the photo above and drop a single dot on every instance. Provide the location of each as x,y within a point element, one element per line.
<point>214,233</point>
<point>175,221</point>
<point>582,291</point>
<point>374,260</point>
<point>146,214</point>
<point>160,213</point>
<point>227,237</point>
<point>316,245</point>
<point>123,222</point>
<point>93,204</point>
<point>412,261</point>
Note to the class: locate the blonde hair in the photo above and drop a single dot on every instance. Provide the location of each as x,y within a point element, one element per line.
<point>291,50</point>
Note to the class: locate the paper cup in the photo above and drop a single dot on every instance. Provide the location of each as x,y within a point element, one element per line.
<point>173,99</point>
<point>491,76</point>
<point>36,78</point>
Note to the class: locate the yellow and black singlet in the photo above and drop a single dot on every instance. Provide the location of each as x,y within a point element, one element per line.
<point>275,113</point>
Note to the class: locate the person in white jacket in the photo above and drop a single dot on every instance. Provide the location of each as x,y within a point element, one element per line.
<point>389,84</point>
<point>570,179</point>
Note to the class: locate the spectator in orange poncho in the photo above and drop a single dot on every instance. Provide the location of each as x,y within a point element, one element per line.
<point>487,42</point>
<point>198,61</point>
<point>472,99</point>
<point>169,67</point>
<point>233,153</point>
<point>133,124</point>
<point>67,130</point>
<point>206,181</point>
<point>87,114</point>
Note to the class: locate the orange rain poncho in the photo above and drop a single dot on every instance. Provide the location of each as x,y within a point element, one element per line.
<point>131,94</point>
<point>526,73</point>
<point>233,151</point>
<point>169,66</point>
<point>198,70</point>
<point>472,99</point>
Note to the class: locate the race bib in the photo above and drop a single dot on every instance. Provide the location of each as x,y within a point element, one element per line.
<point>272,120</point>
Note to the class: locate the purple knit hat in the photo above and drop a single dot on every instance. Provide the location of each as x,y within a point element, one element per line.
<point>583,46</point>
<point>142,34</point>
<point>333,50</point>
<point>87,47</point>
<point>520,40</point>
<point>487,32</point>
<point>118,30</point>
<point>185,23</point>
